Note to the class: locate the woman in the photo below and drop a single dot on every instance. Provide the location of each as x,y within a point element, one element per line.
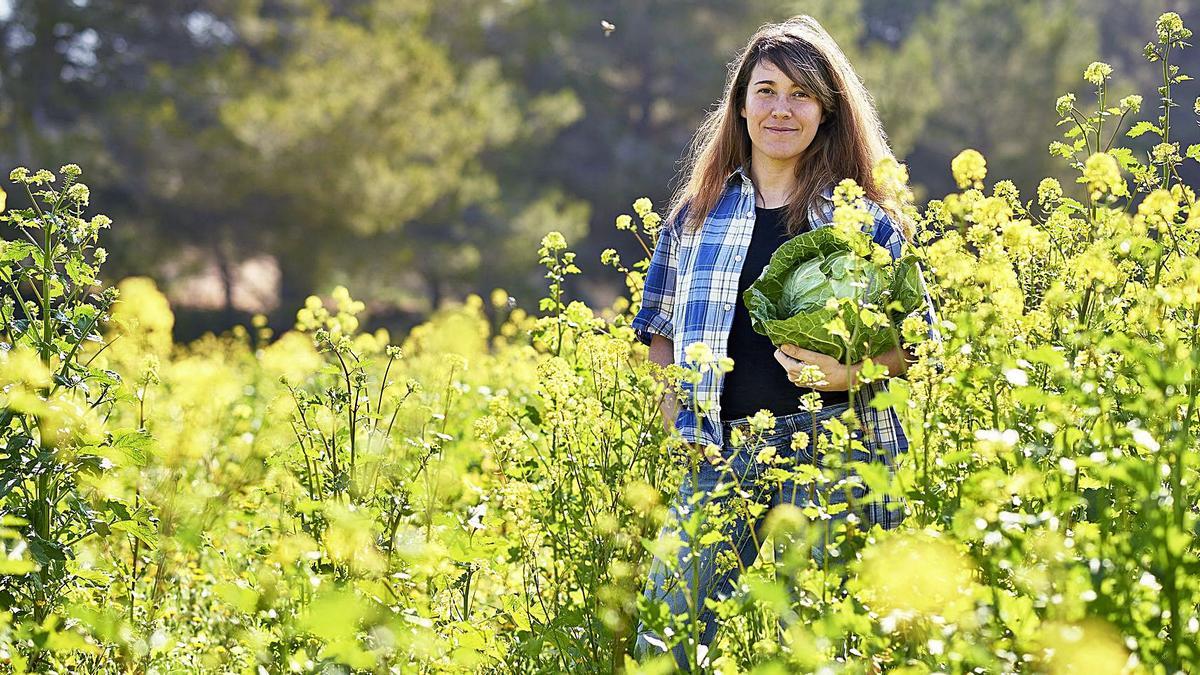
<point>794,121</point>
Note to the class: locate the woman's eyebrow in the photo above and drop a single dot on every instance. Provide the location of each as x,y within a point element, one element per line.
<point>771,82</point>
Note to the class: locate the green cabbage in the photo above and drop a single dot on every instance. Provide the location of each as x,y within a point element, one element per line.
<point>787,302</point>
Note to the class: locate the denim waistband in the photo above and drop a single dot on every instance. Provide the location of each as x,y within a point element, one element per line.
<point>798,421</point>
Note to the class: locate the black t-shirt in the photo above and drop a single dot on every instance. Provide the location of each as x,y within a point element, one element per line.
<point>757,380</point>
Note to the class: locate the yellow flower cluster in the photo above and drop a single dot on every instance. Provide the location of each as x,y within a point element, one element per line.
<point>969,169</point>
<point>1097,72</point>
<point>1170,27</point>
<point>338,327</point>
<point>851,219</point>
<point>1102,175</point>
<point>553,241</point>
<point>1049,192</point>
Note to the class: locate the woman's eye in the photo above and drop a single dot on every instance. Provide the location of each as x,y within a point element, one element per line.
<point>764,90</point>
<point>800,93</point>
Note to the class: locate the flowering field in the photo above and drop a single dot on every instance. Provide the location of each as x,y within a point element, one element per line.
<point>486,495</point>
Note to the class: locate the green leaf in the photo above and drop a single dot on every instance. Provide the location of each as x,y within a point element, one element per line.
<point>534,415</point>
<point>1143,127</point>
<point>334,615</point>
<point>892,397</point>
<point>16,251</point>
<point>245,600</point>
<point>142,531</point>
<point>128,447</point>
<point>1193,152</point>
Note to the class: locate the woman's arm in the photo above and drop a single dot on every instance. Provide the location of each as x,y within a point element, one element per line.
<point>662,352</point>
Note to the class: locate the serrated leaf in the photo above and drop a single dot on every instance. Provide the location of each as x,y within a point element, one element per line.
<point>128,447</point>
<point>141,531</point>
<point>1124,157</point>
<point>1142,128</point>
<point>17,250</point>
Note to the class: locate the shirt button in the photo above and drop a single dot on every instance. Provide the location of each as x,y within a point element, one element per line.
<point>737,258</point>
<point>728,307</point>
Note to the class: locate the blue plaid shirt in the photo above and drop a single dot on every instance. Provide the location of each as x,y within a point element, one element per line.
<point>691,290</point>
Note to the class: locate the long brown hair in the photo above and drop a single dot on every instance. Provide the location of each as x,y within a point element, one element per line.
<point>847,144</point>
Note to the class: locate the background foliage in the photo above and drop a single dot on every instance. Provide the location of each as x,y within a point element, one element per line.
<point>485,495</point>
<point>437,142</point>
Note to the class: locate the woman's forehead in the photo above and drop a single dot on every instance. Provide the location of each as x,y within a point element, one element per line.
<point>766,70</point>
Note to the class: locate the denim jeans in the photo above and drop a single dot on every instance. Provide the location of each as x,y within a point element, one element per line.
<point>703,577</point>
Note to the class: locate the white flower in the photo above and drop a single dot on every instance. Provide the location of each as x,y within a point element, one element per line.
<point>1144,439</point>
<point>1016,377</point>
<point>475,516</point>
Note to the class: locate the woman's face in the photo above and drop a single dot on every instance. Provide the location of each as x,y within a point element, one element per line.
<point>781,117</point>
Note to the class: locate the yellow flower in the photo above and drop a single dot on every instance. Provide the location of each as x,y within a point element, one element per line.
<point>1166,153</point>
<point>1049,192</point>
<point>1170,26</point>
<point>847,192</point>
<point>1091,646</point>
<point>698,353</point>
<point>23,365</point>
<point>1159,207</point>
<point>1022,238</point>
<point>766,455</point>
<point>1097,72</point>
<point>891,175</point>
<point>1131,103</point>
<point>1064,104</point>
<point>643,206</point>
<point>969,168</point>
<point>921,573</point>
<point>3,199</point>
<point>499,297</point>
<point>1102,175</point>
<point>554,241</point>
<point>762,421</point>
<point>991,211</point>
<point>624,222</point>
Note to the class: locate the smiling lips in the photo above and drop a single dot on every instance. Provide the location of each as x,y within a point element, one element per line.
<point>780,130</point>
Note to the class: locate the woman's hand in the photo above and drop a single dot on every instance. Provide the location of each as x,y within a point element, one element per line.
<point>836,375</point>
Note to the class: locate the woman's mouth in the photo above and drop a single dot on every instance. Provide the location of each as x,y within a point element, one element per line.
<point>780,130</point>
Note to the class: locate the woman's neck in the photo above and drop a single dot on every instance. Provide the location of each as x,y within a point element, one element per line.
<point>773,181</point>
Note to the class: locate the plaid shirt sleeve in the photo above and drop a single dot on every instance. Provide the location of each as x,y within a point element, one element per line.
<point>658,292</point>
<point>887,235</point>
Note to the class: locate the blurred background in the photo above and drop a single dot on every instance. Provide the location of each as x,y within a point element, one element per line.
<point>252,152</point>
